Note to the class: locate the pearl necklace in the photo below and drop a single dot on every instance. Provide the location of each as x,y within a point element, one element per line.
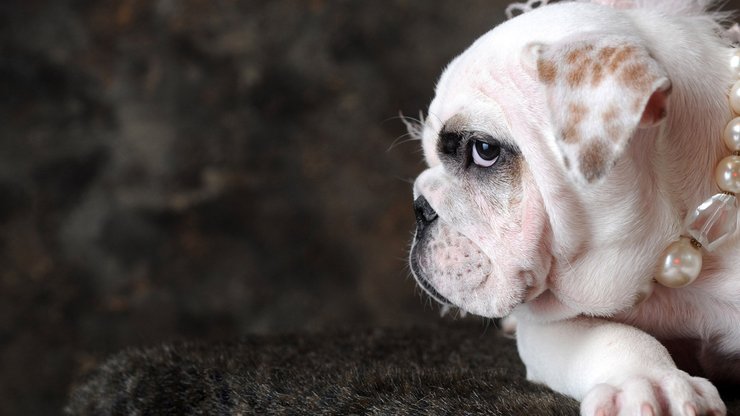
<point>712,222</point>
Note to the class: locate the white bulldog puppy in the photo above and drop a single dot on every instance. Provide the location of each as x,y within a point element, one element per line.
<point>566,148</point>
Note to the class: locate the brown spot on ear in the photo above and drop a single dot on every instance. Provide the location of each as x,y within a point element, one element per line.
<point>578,111</point>
<point>547,71</point>
<point>635,76</point>
<point>577,54</point>
<point>577,76</point>
<point>613,132</point>
<point>573,56</point>
<point>610,119</point>
<point>576,114</point>
<point>570,134</point>
<point>593,159</point>
<point>566,162</point>
<point>610,114</point>
<point>606,53</point>
<point>620,57</point>
<point>597,75</point>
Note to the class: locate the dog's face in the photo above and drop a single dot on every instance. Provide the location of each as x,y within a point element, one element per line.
<point>532,179</point>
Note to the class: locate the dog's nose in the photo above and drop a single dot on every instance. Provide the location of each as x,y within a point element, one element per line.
<point>425,214</point>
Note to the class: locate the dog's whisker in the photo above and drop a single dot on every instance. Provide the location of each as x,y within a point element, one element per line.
<point>413,126</point>
<point>409,181</point>
<point>399,141</point>
<point>402,116</point>
<point>408,119</point>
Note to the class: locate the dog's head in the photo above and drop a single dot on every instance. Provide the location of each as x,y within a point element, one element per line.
<point>533,173</point>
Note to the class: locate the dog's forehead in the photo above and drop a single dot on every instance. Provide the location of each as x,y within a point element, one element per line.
<point>463,102</point>
<point>487,84</point>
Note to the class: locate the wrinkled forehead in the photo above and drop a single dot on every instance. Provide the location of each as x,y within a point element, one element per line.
<point>482,114</point>
<point>479,92</point>
<point>489,87</point>
<point>478,89</point>
<point>465,100</point>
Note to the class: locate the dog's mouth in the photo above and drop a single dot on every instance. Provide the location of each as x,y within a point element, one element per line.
<point>532,288</point>
<point>443,260</point>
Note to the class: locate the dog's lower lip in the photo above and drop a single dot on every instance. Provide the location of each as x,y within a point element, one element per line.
<point>424,283</point>
<point>432,292</point>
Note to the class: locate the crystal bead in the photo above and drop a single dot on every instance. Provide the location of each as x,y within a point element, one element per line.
<point>713,221</point>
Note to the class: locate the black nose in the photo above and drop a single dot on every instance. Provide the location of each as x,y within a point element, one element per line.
<point>425,214</point>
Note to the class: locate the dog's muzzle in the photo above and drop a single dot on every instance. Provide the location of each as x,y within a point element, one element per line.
<point>425,217</point>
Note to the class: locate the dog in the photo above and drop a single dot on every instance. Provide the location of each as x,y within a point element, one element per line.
<point>565,149</point>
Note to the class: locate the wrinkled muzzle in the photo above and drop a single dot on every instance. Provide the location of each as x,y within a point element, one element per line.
<point>449,267</point>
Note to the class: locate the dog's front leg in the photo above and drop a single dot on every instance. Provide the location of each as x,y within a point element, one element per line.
<point>613,369</point>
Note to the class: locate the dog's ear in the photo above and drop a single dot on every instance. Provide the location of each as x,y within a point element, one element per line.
<point>599,90</point>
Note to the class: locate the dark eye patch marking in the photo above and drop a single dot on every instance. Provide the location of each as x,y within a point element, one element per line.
<point>449,143</point>
<point>452,135</point>
<point>455,146</point>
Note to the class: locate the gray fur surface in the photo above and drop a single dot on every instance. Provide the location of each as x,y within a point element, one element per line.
<point>418,371</point>
<point>463,369</point>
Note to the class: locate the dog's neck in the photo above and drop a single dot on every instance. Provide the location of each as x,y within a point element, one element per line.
<point>689,145</point>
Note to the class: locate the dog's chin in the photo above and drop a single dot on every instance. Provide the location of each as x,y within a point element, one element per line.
<point>499,308</point>
<point>491,305</point>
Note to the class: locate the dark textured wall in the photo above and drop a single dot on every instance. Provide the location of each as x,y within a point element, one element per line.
<point>204,169</point>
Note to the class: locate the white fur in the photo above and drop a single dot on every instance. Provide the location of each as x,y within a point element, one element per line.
<point>572,255</point>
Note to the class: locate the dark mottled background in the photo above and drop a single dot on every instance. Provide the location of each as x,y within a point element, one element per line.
<point>205,169</point>
<point>201,169</point>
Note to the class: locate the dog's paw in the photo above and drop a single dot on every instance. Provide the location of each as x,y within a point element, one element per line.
<point>673,393</point>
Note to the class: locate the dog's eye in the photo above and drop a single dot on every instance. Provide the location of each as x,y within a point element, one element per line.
<point>485,154</point>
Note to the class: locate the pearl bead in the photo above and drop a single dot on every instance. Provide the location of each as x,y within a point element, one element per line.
<point>727,174</point>
<point>732,135</point>
<point>681,264</point>
<point>735,63</point>
<point>735,97</point>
